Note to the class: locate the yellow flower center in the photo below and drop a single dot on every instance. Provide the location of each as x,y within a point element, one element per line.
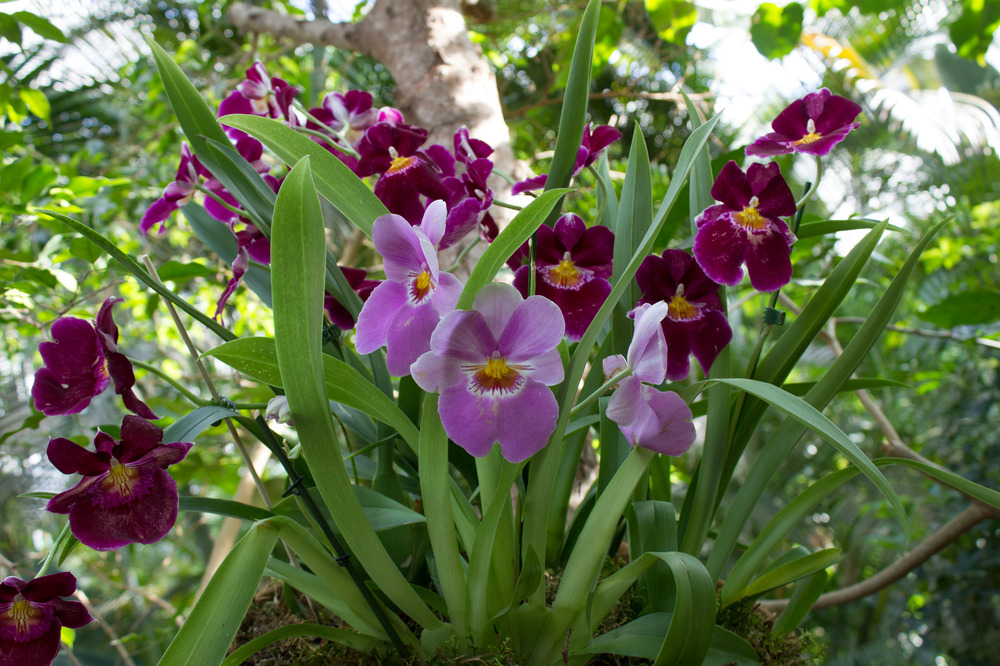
<point>119,479</point>
<point>400,164</point>
<point>422,285</point>
<point>496,375</point>
<point>564,274</point>
<point>680,309</point>
<point>22,614</point>
<point>750,219</point>
<point>810,136</point>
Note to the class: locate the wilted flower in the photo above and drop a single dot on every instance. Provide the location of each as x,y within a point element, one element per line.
<point>32,615</point>
<point>573,264</point>
<point>80,363</point>
<point>492,366</point>
<point>695,322</point>
<point>401,313</point>
<point>745,228</point>
<point>813,125</point>
<point>593,144</point>
<point>648,417</point>
<point>126,495</point>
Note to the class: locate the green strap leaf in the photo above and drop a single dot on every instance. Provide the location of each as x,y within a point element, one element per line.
<point>751,562</point>
<point>789,571</point>
<point>574,108</point>
<point>257,358</point>
<point>224,507</point>
<point>512,237</point>
<point>334,180</point>
<point>436,495</point>
<point>192,424</point>
<point>298,266</point>
<point>804,594</point>
<point>214,620</point>
<point>812,418</point>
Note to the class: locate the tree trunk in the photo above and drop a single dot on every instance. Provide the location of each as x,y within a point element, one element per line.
<point>442,81</point>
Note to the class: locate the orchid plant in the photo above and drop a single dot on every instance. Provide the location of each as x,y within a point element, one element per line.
<point>474,397</point>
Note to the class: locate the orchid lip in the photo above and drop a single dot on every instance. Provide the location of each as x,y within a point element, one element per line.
<point>496,375</point>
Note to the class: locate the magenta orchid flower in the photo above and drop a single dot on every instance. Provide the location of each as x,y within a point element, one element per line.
<point>177,193</point>
<point>492,366</point>
<point>32,615</point>
<point>362,286</point>
<point>259,95</point>
<point>393,150</point>
<point>648,417</point>
<point>80,363</point>
<point>573,265</point>
<point>593,144</point>
<point>126,495</point>
<point>813,125</point>
<point>695,322</point>
<point>746,228</point>
<point>403,311</point>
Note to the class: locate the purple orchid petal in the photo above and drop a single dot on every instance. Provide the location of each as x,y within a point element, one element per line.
<point>625,404</point>
<point>536,183</point>
<point>731,187</point>
<point>404,250</point>
<point>526,421</point>
<point>497,302</point>
<point>376,316</point>
<point>812,125</point>
<point>679,336</point>
<point>663,423</point>
<point>647,353</point>
<point>75,368</point>
<point>706,341</point>
<point>409,336</point>
<point>31,617</point>
<point>471,420</point>
<point>535,326</point>
<point>719,249</point>
<point>463,336</point>
<point>46,588</point>
<point>768,261</point>
<point>144,519</point>
<point>770,188</point>
<point>71,458</point>
<point>434,221</point>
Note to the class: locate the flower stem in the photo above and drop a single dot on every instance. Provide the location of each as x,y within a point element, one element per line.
<point>810,190</point>
<point>222,202</point>
<point>461,256</point>
<point>606,386</point>
<point>195,356</point>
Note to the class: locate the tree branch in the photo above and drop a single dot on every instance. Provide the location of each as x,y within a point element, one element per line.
<point>893,446</point>
<point>246,18</point>
<point>951,531</point>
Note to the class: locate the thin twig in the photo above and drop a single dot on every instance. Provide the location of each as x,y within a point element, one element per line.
<point>951,531</point>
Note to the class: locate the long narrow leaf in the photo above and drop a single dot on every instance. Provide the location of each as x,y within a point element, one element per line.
<point>512,237</point>
<point>214,620</point>
<point>298,254</point>
<point>574,108</point>
<point>788,572</point>
<point>257,358</point>
<point>334,180</point>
